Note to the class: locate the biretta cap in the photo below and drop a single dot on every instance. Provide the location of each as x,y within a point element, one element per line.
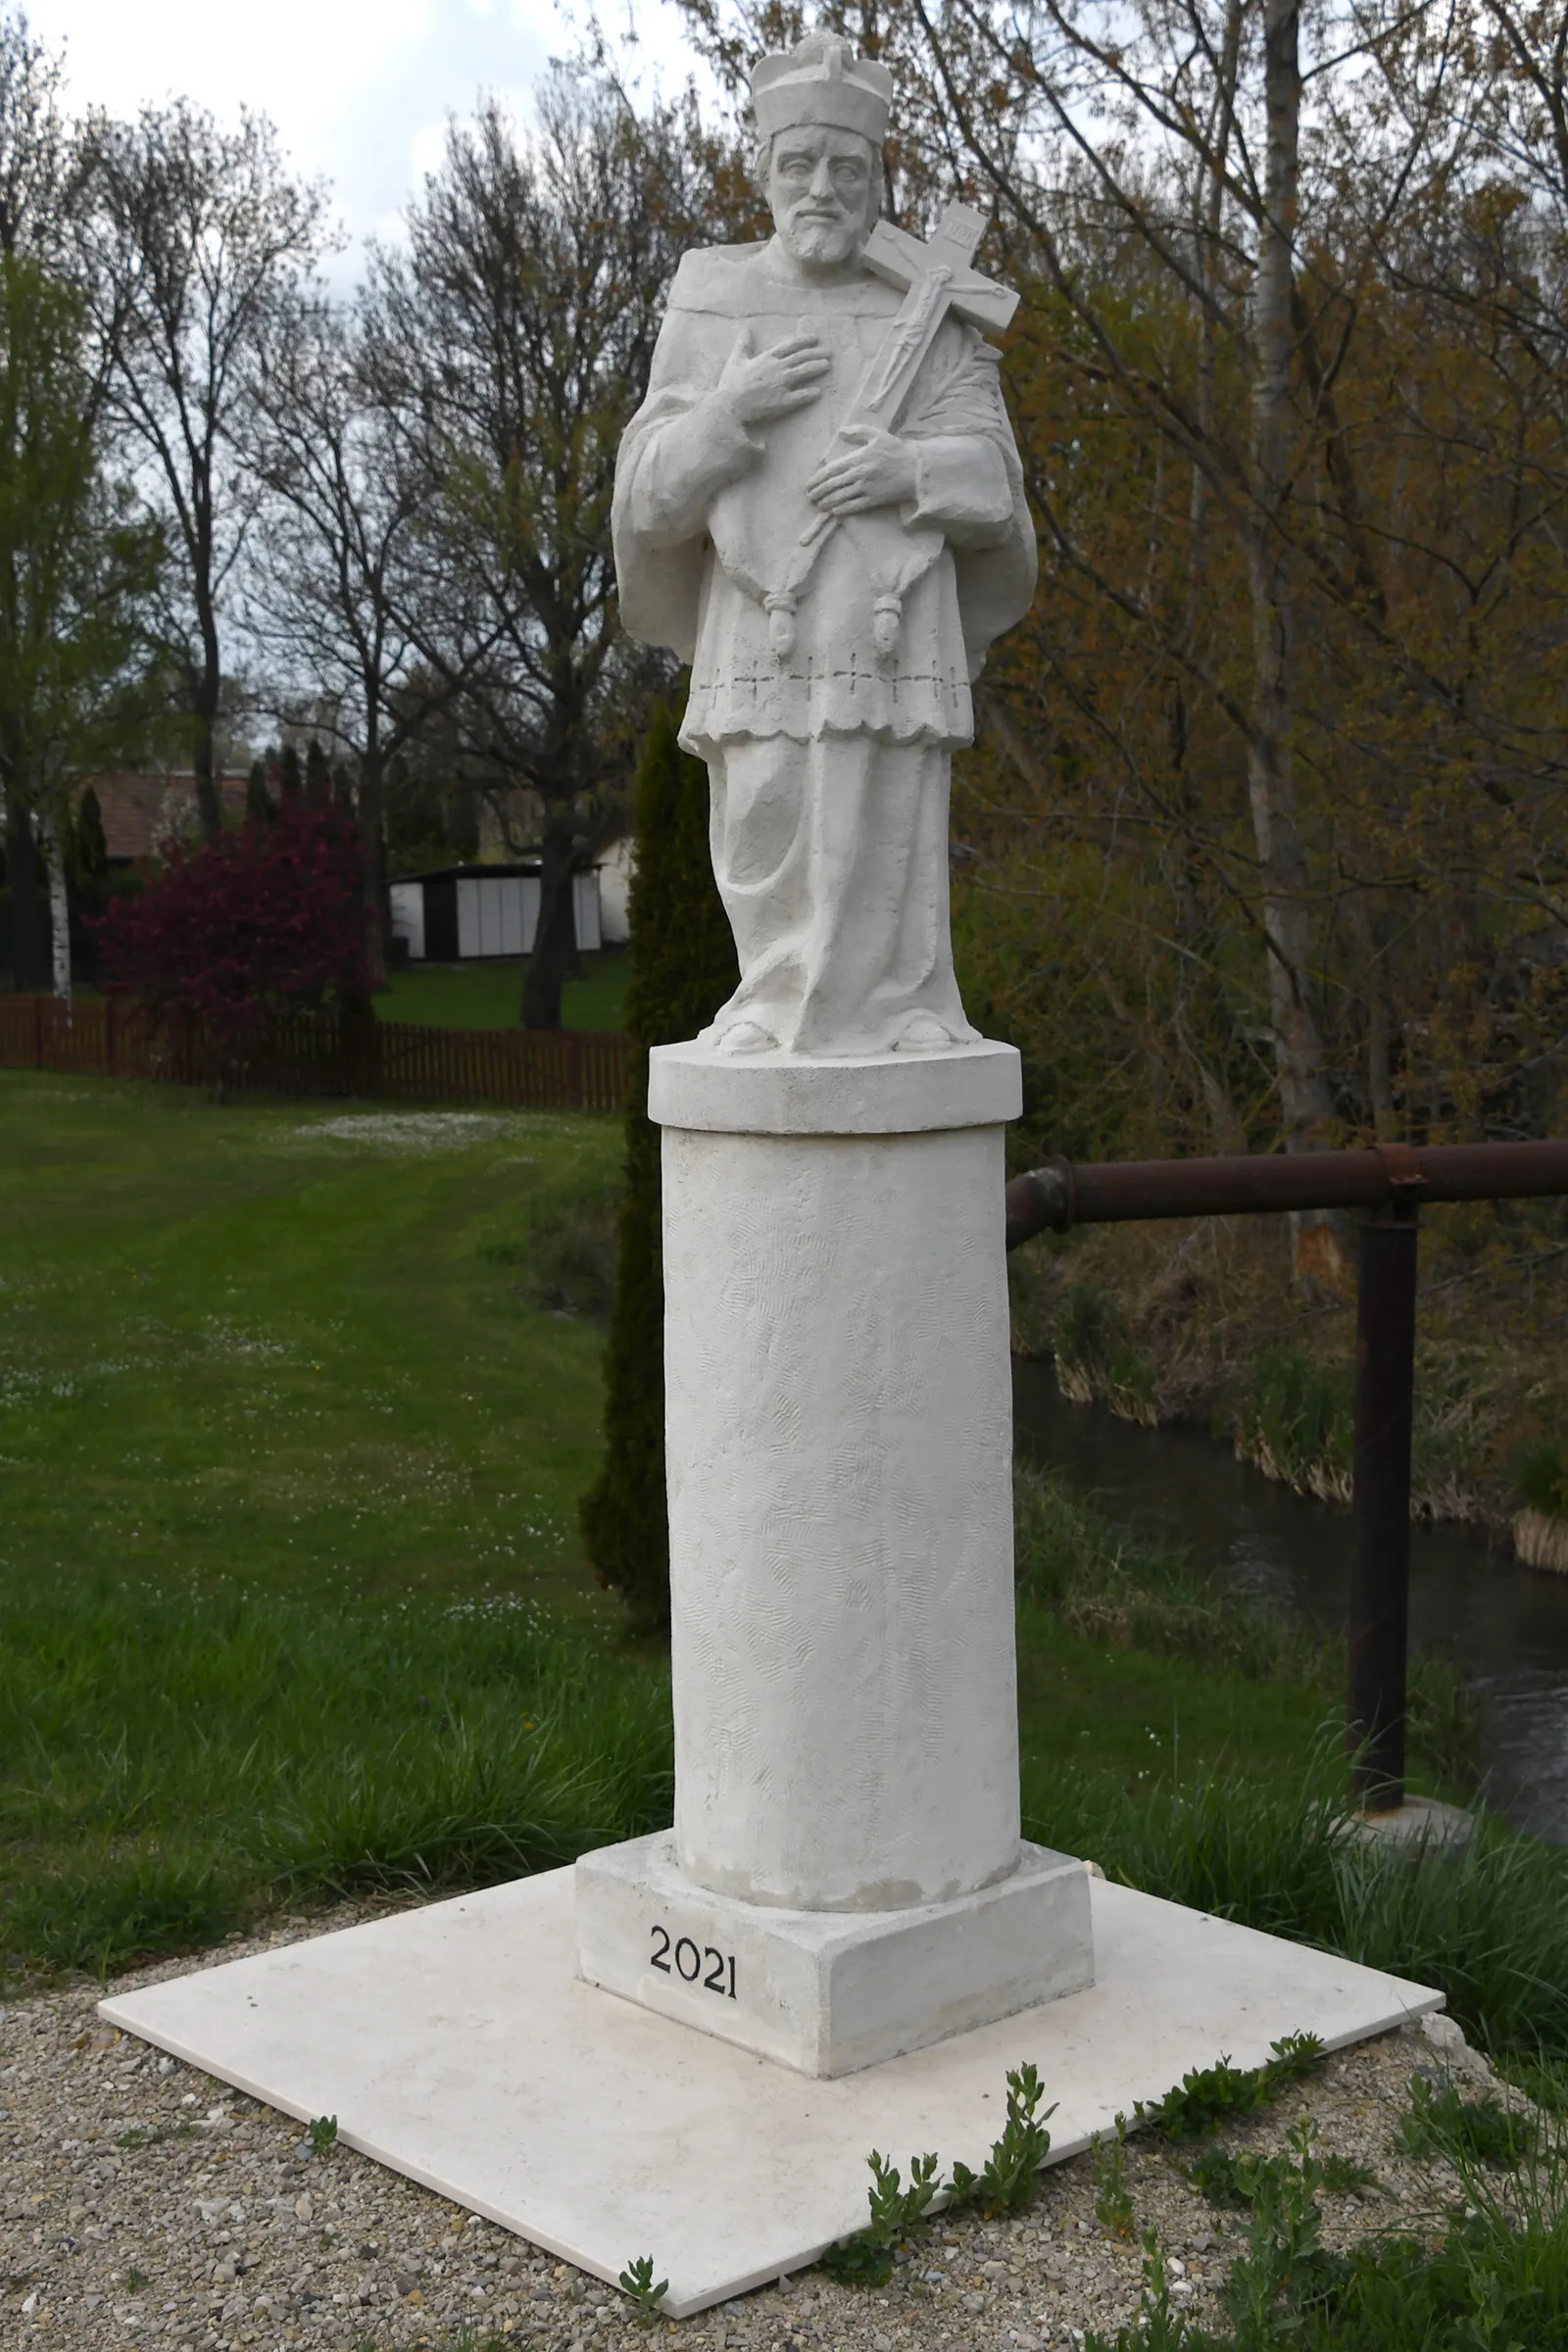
<point>821,82</point>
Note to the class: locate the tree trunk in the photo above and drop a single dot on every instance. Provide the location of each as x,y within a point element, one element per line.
<point>54,858</point>
<point>555,947</point>
<point>209,806</point>
<point>204,711</point>
<point>370,818</point>
<point>1304,1098</point>
<point>30,941</point>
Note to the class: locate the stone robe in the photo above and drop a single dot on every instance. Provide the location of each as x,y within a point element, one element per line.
<point>830,677</point>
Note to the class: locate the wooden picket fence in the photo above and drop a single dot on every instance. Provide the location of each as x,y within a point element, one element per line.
<point>322,1053</point>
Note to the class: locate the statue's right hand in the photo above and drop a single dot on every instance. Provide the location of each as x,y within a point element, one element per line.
<point>759,384</point>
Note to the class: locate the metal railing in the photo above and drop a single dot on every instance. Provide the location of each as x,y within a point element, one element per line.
<point>1389,1184</point>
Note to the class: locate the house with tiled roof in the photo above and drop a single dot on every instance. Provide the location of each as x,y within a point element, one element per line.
<point>144,812</point>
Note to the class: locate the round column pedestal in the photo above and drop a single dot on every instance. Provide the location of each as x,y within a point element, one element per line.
<point>845,1879</point>
<point>839,1445</point>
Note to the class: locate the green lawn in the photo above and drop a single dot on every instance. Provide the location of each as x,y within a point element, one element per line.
<point>487,994</point>
<point>297,1347</point>
<point>296,1404</point>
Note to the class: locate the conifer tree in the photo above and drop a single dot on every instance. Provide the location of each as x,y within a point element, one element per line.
<point>259,809</point>
<point>92,848</point>
<point>682,969</point>
<point>318,776</point>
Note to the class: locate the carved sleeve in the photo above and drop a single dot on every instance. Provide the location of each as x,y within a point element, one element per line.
<point>961,439</point>
<point>683,456</point>
<point>684,445</point>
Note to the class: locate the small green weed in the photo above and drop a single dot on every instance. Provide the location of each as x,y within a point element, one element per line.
<point>867,2259</point>
<point>1495,2281</point>
<point>1005,2183</point>
<point>1007,2180</point>
<point>1113,2207</point>
<point>1210,2096</point>
<point>1237,2181</point>
<point>642,2291</point>
<point>324,2134</point>
<point>1443,2124</point>
<point>152,2136</point>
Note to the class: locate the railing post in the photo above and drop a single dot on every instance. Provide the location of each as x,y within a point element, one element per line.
<point>37,1033</point>
<point>1379,1542</point>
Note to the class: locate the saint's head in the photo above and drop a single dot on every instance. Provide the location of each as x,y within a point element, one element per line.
<point>821,117</point>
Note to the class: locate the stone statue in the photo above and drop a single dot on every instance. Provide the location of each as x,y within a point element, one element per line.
<point>819,505</point>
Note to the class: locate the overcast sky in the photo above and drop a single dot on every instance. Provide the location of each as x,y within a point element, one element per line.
<point>359,89</point>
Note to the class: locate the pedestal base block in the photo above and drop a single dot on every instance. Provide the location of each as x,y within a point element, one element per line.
<point>829,1992</point>
<point>457,2045</point>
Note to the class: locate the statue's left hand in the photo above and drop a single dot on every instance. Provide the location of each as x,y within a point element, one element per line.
<point>864,467</point>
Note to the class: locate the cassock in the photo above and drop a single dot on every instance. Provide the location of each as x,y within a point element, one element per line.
<point>830,668</point>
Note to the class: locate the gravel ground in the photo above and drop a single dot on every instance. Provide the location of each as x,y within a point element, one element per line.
<point>141,2199</point>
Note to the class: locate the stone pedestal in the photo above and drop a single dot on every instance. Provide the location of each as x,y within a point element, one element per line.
<point>839,1440</point>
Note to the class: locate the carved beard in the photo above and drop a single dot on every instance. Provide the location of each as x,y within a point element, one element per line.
<point>818,240</point>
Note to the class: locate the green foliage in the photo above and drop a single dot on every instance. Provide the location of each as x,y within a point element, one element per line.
<point>682,968</point>
<point>1295,1420</point>
<point>174,1765</point>
<point>643,2293</point>
<point>1005,2183</point>
<point>1443,2123</point>
<point>1007,2180</point>
<point>259,804</point>
<point>1114,2206</point>
<point>1494,2280</point>
<point>482,993</point>
<point>1541,1480</point>
<point>1487,1925</point>
<point>1095,1359</point>
<point>1212,2095</point>
<point>566,1256</point>
<point>1126,1592</point>
<point>867,2259</point>
<point>1135,1593</point>
<point>1240,2181</point>
<point>78,567</point>
<point>322,2130</point>
<point>318,775</point>
<point>91,846</point>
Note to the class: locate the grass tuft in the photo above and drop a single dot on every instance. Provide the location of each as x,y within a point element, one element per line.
<point>173,1765</point>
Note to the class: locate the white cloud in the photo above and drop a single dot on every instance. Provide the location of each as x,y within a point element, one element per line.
<point>358,90</point>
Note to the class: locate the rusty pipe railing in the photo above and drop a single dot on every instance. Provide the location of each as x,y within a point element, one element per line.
<point>1390,1182</point>
<point>1059,1195</point>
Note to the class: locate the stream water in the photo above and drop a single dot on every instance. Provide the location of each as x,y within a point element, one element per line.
<point>1504,1626</point>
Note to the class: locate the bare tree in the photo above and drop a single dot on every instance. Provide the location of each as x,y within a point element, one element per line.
<point>198,237</point>
<point>338,570</point>
<point>513,338</point>
<point>39,152</point>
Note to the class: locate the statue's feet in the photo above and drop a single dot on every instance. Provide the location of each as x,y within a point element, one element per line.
<point>747,1036</point>
<point>923,1033</point>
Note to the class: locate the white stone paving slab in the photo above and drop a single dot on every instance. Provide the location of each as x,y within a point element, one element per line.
<point>456,2045</point>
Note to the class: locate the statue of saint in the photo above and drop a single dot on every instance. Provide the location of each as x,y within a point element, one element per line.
<point>819,505</point>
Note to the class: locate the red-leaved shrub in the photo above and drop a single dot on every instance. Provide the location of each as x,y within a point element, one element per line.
<point>264,920</point>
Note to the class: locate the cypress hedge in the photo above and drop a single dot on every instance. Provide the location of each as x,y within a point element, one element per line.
<point>682,969</point>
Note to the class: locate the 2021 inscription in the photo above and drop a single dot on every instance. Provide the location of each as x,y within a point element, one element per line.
<point>712,1969</point>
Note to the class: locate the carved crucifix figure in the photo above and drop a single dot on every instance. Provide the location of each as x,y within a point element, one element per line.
<point>819,505</point>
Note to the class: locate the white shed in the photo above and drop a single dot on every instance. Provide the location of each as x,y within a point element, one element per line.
<point>465,911</point>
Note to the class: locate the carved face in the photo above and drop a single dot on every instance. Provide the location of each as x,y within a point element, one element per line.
<point>822,187</point>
